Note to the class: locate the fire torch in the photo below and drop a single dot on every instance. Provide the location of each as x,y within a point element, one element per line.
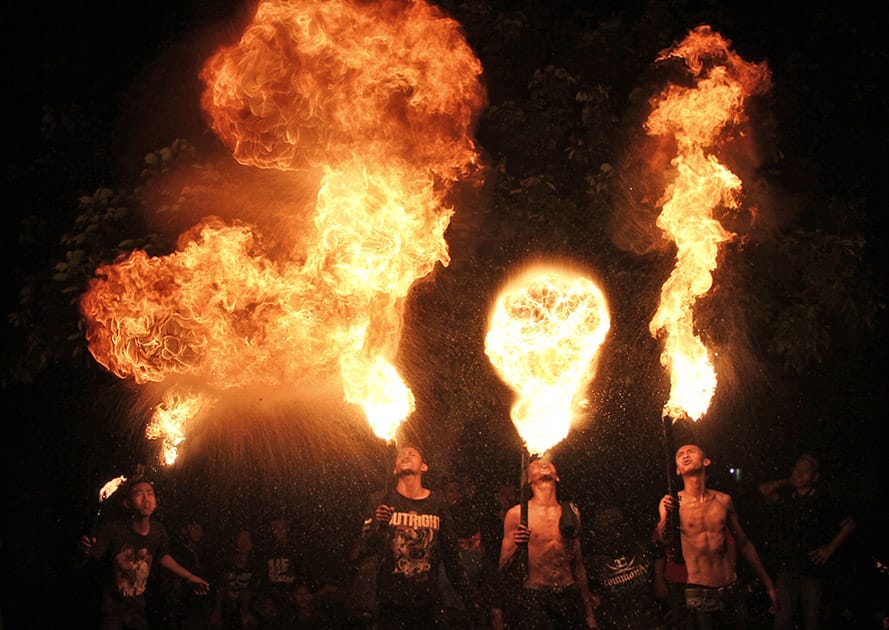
<point>672,530</point>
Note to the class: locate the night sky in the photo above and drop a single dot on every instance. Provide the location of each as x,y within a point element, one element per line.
<point>129,72</point>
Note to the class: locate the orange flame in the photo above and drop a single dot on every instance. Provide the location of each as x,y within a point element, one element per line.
<point>111,486</point>
<point>170,419</point>
<point>696,117</point>
<point>381,98</point>
<point>544,334</point>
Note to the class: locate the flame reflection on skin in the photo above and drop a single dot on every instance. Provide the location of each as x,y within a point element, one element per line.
<point>544,334</point>
<point>381,99</point>
<point>697,118</point>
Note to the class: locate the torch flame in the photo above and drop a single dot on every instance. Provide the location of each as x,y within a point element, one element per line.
<point>380,98</point>
<point>110,488</point>
<point>696,118</point>
<point>543,337</point>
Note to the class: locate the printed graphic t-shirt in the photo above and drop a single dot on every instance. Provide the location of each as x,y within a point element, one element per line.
<point>129,557</point>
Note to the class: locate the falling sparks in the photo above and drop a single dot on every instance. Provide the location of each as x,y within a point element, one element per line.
<point>381,100</point>
<point>696,117</point>
<point>544,335</point>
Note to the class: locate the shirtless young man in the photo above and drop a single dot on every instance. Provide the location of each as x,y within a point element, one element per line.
<point>706,517</point>
<point>555,593</point>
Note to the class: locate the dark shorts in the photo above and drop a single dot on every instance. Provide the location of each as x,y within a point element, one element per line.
<point>556,608</point>
<point>393,617</point>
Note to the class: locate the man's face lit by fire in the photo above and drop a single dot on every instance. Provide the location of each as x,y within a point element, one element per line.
<point>409,461</point>
<point>690,458</point>
<point>542,470</point>
<point>141,499</point>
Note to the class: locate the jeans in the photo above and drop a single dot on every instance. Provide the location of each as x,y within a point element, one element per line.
<point>716,608</point>
<point>798,589</point>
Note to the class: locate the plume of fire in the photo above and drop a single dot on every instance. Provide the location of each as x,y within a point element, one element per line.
<point>381,99</point>
<point>544,334</point>
<point>697,118</point>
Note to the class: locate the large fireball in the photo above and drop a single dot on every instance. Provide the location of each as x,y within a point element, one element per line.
<point>544,334</point>
<point>380,99</point>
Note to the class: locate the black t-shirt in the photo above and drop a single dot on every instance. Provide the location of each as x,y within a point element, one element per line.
<point>412,546</point>
<point>281,571</point>
<point>237,579</point>
<point>128,558</point>
<point>799,524</point>
<point>624,579</point>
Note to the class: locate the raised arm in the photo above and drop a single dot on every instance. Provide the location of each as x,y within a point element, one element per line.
<point>769,489</point>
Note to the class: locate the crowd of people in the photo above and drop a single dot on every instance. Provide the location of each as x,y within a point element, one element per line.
<point>513,558</point>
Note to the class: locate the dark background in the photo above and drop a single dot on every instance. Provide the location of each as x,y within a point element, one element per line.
<point>91,90</point>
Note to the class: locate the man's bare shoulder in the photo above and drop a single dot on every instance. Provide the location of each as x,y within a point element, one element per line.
<point>513,513</point>
<point>723,498</point>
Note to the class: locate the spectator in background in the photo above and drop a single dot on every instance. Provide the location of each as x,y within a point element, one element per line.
<point>281,568</point>
<point>505,495</point>
<point>621,569</point>
<point>309,609</point>
<point>807,529</point>
<point>181,607</point>
<point>481,595</point>
<point>239,579</point>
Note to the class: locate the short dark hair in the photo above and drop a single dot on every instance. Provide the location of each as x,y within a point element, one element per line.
<point>691,443</point>
<point>816,465</point>
<point>132,483</point>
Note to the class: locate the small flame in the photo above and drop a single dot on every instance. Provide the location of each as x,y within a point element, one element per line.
<point>170,419</point>
<point>696,118</point>
<point>544,335</point>
<point>110,488</point>
<point>380,99</point>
